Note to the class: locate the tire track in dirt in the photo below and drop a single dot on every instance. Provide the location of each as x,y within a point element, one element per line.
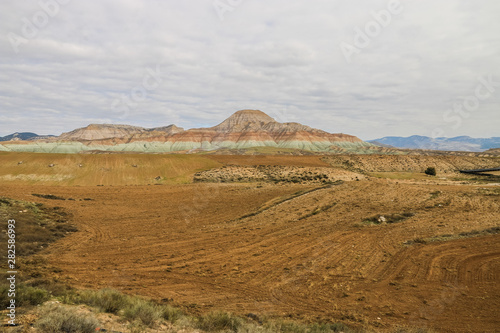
<point>328,265</point>
<point>455,260</point>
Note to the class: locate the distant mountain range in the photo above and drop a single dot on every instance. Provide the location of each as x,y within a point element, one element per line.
<point>244,129</point>
<point>24,136</point>
<point>459,143</point>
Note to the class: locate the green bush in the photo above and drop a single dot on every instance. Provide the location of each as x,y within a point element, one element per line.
<point>431,171</point>
<point>31,295</point>
<point>171,314</point>
<point>107,300</point>
<point>24,295</point>
<point>147,312</point>
<point>219,321</point>
<point>59,318</point>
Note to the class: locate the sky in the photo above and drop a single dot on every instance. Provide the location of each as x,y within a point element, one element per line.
<point>367,68</point>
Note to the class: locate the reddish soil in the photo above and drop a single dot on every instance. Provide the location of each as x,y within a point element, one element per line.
<point>309,257</point>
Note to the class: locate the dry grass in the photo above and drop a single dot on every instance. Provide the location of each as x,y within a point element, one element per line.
<point>100,169</point>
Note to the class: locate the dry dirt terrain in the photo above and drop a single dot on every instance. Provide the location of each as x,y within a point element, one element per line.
<point>381,251</point>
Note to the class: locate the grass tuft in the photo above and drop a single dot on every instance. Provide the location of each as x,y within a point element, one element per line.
<point>60,318</point>
<point>219,321</point>
<point>107,300</point>
<point>171,313</point>
<point>145,311</point>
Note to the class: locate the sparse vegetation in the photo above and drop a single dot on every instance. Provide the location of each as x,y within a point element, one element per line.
<point>317,210</point>
<point>36,225</point>
<point>132,308</point>
<point>283,199</point>
<point>493,192</point>
<point>140,313</point>
<point>448,237</point>
<point>276,174</point>
<point>219,321</point>
<point>48,196</point>
<point>286,326</point>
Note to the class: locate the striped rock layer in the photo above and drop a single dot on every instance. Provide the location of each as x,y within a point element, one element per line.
<point>244,129</point>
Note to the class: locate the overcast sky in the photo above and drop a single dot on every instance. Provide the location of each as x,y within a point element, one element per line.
<point>367,68</point>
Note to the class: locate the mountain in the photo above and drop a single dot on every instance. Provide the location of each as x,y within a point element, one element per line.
<point>459,143</point>
<point>109,131</point>
<point>99,132</point>
<point>244,121</point>
<point>243,129</point>
<point>24,136</point>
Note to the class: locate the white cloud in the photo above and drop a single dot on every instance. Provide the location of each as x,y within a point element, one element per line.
<point>278,56</point>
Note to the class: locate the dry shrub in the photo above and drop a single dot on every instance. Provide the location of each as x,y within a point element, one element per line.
<point>107,300</point>
<point>60,318</point>
<point>219,321</point>
<point>147,312</point>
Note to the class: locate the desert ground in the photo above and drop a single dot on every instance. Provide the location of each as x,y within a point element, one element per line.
<point>368,240</point>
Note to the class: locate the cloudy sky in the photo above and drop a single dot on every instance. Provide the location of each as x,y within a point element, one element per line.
<point>368,68</point>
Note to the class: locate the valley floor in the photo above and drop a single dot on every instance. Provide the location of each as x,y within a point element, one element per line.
<point>313,255</point>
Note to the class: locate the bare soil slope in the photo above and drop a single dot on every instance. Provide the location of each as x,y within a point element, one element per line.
<point>100,169</point>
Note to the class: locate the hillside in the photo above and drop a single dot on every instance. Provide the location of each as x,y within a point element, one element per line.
<point>100,169</point>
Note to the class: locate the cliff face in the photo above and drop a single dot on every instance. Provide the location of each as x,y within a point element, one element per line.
<point>243,129</point>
